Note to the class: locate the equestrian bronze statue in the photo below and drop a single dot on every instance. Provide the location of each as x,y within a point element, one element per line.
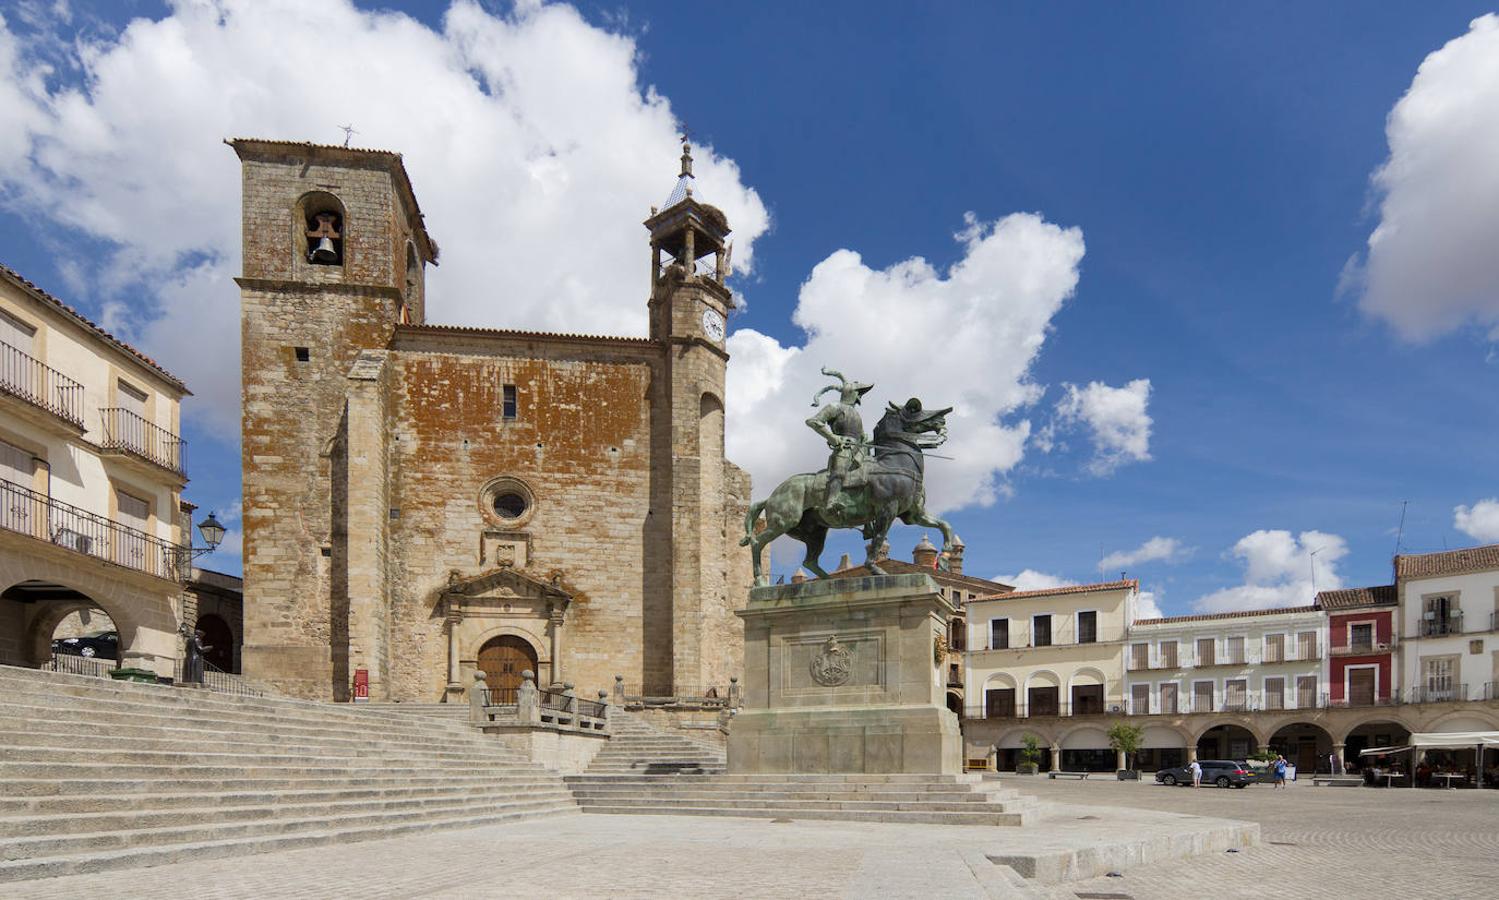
<point>867,485</point>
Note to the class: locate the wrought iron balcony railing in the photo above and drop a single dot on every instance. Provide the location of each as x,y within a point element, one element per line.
<point>126,431</point>
<point>27,512</point>
<point>31,380</point>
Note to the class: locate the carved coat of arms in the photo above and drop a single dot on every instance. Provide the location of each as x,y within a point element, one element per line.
<point>833,663</point>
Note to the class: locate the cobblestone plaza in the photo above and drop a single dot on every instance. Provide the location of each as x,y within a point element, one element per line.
<point>1316,842</point>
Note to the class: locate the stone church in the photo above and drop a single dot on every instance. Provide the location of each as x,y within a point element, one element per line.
<point>423,500</point>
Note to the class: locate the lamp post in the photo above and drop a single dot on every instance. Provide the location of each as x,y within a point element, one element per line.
<point>213,534</point>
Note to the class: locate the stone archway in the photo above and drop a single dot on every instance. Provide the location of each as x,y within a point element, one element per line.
<point>502,660</point>
<point>1304,745</point>
<point>1368,735</point>
<point>219,638</point>
<point>1227,740</point>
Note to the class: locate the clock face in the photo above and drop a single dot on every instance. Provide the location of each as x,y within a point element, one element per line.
<point>712,325</point>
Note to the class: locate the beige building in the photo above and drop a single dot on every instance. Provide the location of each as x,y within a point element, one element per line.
<point>423,500</point>
<point>1046,654</point>
<point>91,477</point>
<point>1449,619</point>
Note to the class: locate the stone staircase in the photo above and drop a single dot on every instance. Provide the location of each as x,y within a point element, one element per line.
<point>99,775</point>
<point>636,747</point>
<point>919,799</point>
<point>648,771</point>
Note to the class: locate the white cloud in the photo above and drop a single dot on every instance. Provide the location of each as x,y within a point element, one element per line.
<point>1031,580</point>
<point>964,338</point>
<point>1278,571</point>
<point>1158,548</point>
<point>1479,521</point>
<point>1146,606</point>
<point>520,132</point>
<point>1430,267</point>
<point>1116,418</point>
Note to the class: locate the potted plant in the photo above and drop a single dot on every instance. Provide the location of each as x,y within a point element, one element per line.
<point>1030,756</point>
<point>1125,738</point>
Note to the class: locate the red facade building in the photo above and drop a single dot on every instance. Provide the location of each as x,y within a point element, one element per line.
<point>1361,644</point>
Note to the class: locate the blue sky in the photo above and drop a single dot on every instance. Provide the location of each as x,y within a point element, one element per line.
<point>1215,159</point>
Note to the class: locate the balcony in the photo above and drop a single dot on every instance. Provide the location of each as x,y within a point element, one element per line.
<point>38,516</point>
<point>1046,710</point>
<point>1438,693</point>
<point>1361,648</point>
<point>1440,627</point>
<point>41,387</point>
<point>126,433</point>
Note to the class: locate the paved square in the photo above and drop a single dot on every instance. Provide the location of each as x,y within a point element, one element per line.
<point>1318,842</point>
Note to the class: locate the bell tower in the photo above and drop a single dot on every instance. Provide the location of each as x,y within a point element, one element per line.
<point>689,306</point>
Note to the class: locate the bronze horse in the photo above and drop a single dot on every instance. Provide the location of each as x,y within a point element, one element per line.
<point>892,489</point>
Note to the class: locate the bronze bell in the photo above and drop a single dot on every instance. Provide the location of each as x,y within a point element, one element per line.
<point>324,253</point>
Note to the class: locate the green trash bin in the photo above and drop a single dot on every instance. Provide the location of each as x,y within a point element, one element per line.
<point>144,676</point>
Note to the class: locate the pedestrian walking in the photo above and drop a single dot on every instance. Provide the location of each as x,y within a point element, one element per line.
<point>1280,772</point>
<point>1196,773</point>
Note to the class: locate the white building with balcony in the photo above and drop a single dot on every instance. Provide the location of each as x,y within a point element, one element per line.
<point>91,478</point>
<point>1449,624</point>
<point>1247,661</point>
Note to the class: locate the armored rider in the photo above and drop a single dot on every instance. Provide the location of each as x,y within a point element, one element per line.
<point>841,426</point>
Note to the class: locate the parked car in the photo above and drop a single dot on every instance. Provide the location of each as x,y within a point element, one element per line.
<point>1222,772</point>
<point>102,645</point>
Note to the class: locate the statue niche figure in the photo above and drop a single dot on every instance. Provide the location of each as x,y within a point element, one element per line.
<point>867,485</point>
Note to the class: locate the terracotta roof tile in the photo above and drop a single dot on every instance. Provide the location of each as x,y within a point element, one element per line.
<point>1447,562</point>
<point>1355,598</point>
<point>1131,584</point>
<point>1236,614</point>
<point>12,275</point>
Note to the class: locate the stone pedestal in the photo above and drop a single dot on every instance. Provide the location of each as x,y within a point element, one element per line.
<point>842,676</point>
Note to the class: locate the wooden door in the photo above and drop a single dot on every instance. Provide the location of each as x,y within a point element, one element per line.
<point>502,660</point>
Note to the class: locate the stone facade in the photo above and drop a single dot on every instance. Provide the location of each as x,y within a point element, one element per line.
<point>414,493</point>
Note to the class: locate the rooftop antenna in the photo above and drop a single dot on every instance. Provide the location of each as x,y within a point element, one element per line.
<point>1311,563</point>
<point>1400,532</point>
<point>348,131</point>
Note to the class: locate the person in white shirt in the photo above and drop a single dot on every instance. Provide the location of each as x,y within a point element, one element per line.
<point>1196,774</point>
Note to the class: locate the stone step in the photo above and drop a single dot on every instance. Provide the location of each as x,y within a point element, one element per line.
<point>844,815</point>
<point>194,708</point>
<point>61,689</point>
<point>1009,807</point>
<point>52,802</point>
<point>216,743</point>
<point>42,787</point>
<point>316,757</point>
<point>221,812</point>
<point>893,800</point>
<point>850,778</point>
<point>133,857</point>
<point>285,744</point>
<point>29,718</point>
<point>91,842</point>
<point>583,788</point>
<point>69,770</point>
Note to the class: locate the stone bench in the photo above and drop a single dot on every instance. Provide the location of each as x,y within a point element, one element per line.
<point>1337,780</point>
<point>1055,775</point>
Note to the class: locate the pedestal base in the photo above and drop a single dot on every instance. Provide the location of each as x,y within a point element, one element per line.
<point>842,676</point>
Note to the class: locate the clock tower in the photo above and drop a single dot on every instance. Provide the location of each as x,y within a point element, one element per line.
<point>689,306</point>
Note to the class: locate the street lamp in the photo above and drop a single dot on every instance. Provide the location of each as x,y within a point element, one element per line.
<point>213,535</point>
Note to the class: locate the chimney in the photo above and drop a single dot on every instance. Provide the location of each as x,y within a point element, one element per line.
<point>925,555</point>
<point>799,577</point>
<point>955,557</point>
<point>844,563</point>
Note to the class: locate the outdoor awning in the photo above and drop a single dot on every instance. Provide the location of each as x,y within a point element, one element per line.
<point>1459,740</point>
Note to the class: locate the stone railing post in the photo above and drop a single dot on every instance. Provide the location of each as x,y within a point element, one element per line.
<point>736,693</point>
<point>608,709</point>
<point>619,689</point>
<point>570,705</point>
<point>478,698</point>
<point>527,703</point>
